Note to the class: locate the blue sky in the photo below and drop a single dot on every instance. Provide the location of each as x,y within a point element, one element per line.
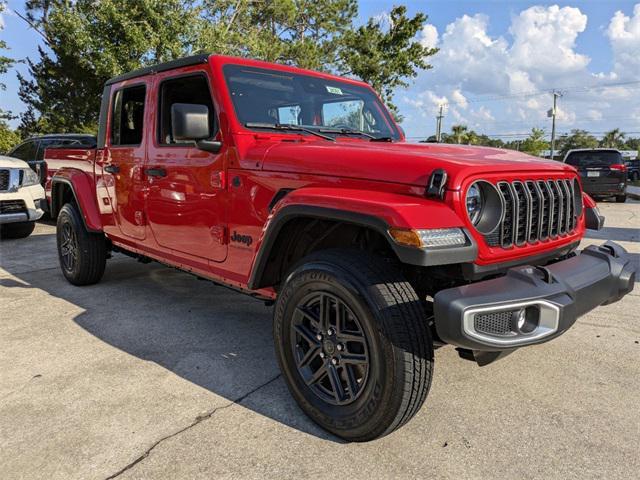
<point>490,50</point>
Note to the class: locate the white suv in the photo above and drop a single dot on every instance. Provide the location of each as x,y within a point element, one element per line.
<point>21,198</point>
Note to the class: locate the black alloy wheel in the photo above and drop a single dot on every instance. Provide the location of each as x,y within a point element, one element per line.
<point>82,254</point>
<point>353,342</point>
<point>68,248</point>
<point>331,351</point>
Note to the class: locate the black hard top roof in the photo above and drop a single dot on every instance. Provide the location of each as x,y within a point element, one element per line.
<point>161,67</point>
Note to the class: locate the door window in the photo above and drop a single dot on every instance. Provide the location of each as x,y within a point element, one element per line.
<point>26,151</point>
<point>127,116</point>
<point>193,89</point>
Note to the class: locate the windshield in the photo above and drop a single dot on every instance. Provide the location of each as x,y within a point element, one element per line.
<point>595,158</point>
<point>274,97</point>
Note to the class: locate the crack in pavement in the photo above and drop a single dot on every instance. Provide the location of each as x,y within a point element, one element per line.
<point>198,420</point>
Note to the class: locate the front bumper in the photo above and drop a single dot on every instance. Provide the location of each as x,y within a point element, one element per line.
<point>24,204</point>
<point>483,316</point>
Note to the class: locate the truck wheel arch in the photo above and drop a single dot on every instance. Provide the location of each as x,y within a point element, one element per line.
<point>297,217</point>
<point>77,188</point>
<point>269,266</point>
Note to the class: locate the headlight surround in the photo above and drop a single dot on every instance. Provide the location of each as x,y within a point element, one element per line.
<point>485,206</point>
<point>474,203</point>
<point>28,177</point>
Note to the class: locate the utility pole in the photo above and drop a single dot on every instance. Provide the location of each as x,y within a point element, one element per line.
<point>439,124</point>
<point>552,113</point>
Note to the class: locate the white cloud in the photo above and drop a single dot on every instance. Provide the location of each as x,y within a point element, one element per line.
<point>517,73</point>
<point>459,98</point>
<point>429,36</point>
<point>624,36</point>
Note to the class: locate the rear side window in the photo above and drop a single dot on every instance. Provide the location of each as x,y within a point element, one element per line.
<point>595,158</point>
<point>192,89</point>
<point>127,116</point>
<point>27,151</point>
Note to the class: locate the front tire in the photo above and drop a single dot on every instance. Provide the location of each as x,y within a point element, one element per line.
<point>621,198</point>
<point>353,343</point>
<point>82,254</point>
<point>17,230</point>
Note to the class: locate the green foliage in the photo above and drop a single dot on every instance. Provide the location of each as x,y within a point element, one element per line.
<point>385,58</point>
<point>5,64</point>
<point>577,139</point>
<point>88,42</point>
<point>535,143</point>
<point>613,139</point>
<point>8,138</point>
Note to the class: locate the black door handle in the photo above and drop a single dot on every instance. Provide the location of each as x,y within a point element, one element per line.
<point>155,172</point>
<point>112,169</point>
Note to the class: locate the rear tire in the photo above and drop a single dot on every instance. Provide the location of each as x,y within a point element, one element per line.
<point>82,254</point>
<point>17,230</point>
<point>380,343</point>
<point>621,198</point>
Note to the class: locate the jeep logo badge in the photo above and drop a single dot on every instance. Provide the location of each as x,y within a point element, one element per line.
<point>244,239</point>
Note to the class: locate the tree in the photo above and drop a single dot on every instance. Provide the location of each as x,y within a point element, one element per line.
<point>8,137</point>
<point>535,143</point>
<point>88,42</point>
<point>386,57</point>
<point>5,64</point>
<point>613,139</point>
<point>458,133</point>
<point>577,139</point>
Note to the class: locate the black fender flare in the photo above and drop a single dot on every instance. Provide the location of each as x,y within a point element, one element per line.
<point>408,255</point>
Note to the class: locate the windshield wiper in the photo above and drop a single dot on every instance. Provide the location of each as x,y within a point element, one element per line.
<point>288,127</point>
<point>350,131</point>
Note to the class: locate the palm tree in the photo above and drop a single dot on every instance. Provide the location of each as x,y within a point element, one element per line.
<point>459,132</point>
<point>612,139</point>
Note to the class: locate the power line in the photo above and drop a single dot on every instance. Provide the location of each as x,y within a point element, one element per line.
<point>536,93</point>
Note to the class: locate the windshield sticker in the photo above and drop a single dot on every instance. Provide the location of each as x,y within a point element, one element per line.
<point>334,90</point>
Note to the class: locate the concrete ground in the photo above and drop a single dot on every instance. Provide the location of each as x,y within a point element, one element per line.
<point>154,374</point>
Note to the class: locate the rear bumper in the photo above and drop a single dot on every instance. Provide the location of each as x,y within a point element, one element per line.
<point>483,316</point>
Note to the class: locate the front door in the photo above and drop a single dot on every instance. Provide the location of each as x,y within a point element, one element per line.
<point>186,195</point>
<point>124,159</point>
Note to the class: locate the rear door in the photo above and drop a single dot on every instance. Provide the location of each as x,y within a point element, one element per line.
<point>186,200</point>
<point>124,158</point>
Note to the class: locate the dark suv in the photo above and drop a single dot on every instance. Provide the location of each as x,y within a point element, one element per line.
<point>32,149</point>
<point>602,171</point>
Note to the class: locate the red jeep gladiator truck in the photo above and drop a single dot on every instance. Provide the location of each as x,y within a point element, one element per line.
<point>299,188</point>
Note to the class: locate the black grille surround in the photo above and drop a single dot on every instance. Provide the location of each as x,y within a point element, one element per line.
<point>4,180</point>
<point>535,210</point>
<point>13,206</point>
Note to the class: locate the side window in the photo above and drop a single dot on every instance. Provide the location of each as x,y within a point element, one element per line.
<point>127,116</point>
<point>27,151</point>
<point>192,89</point>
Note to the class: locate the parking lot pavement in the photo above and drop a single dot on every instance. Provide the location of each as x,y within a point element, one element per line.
<point>155,374</point>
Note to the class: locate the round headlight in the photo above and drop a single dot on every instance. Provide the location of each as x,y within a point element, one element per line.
<point>484,206</point>
<point>474,203</point>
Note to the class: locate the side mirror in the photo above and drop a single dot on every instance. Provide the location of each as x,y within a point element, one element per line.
<point>191,122</point>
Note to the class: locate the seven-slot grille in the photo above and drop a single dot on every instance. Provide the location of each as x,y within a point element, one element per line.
<point>534,210</point>
<point>4,180</point>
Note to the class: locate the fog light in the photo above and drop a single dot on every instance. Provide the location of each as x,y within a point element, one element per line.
<point>525,320</point>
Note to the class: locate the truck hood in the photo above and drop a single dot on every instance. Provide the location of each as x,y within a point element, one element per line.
<point>401,162</point>
<point>10,162</point>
